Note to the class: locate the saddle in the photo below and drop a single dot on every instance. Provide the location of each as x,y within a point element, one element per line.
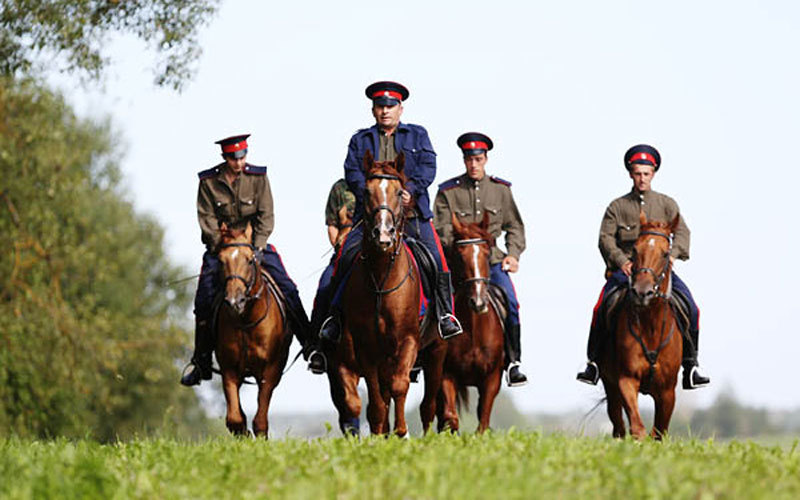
<point>609,309</point>
<point>426,264</point>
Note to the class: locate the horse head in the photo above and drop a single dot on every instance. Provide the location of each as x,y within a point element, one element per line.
<point>471,251</point>
<point>383,205</point>
<point>238,258</point>
<point>652,266</point>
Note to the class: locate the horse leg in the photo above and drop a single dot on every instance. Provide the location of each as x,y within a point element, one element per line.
<point>400,380</point>
<point>377,410</point>
<point>487,393</point>
<point>629,389</point>
<point>235,418</point>
<point>269,379</point>
<point>449,415</point>
<point>344,393</point>
<point>665,403</point>
<point>433,366</point>
<point>614,409</point>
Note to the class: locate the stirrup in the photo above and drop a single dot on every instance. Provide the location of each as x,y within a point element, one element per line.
<point>509,382</point>
<point>453,320</point>
<point>331,322</point>
<point>587,378</point>
<point>317,370</point>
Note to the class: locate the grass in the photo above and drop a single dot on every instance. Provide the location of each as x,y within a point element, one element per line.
<point>500,465</point>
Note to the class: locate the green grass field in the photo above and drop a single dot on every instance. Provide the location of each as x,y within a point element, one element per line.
<point>499,465</point>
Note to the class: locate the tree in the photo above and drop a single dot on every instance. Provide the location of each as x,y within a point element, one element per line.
<point>88,325</point>
<point>78,29</point>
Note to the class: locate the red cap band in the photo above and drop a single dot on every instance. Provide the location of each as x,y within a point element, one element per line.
<point>475,145</point>
<point>236,146</point>
<point>387,93</point>
<point>639,157</point>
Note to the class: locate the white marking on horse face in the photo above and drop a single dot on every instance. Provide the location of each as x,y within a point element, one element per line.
<point>384,213</point>
<point>476,252</point>
<point>235,254</point>
<point>651,242</point>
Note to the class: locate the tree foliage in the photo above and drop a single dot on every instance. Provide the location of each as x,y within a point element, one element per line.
<point>78,29</point>
<point>87,332</point>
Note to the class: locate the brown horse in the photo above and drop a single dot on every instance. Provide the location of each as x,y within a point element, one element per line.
<point>381,331</point>
<point>645,355</point>
<point>252,335</point>
<point>476,357</point>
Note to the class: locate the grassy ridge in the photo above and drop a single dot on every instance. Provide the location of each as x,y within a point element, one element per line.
<point>511,465</point>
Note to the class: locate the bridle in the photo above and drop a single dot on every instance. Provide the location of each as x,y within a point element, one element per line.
<point>473,241</point>
<point>397,220</point>
<point>665,268</point>
<point>248,283</point>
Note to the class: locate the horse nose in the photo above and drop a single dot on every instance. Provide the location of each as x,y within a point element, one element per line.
<point>237,303</point>
<point>375,232</point>
<point>477,304</point>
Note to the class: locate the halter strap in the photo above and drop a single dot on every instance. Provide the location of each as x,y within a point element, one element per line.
<point>472,241</point>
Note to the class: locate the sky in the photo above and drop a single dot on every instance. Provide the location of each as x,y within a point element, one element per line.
<point>563,89</point>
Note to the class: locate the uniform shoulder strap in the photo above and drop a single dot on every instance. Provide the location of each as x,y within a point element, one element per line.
<point>498,180</point>
<point>205,174</point>
<point>255,170</point>
<point>450,184</point>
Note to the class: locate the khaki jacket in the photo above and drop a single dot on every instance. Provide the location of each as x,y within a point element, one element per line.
<point>248,198</point>
<point>619,229</point>
<point>469,200</point>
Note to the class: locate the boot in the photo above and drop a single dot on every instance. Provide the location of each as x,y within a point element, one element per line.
<point>448,324</point>
<point>692,377</point>
<point>201,359</point>
<point>514,376</point>
<point>590,375</point>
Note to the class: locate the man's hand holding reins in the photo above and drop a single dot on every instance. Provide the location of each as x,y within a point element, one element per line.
<point>510,264</point>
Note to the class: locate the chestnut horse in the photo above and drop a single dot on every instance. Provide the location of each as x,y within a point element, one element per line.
<point>476,357</point>
<point>252,335</point>
<point>645,355</point>
<point>381,330</point>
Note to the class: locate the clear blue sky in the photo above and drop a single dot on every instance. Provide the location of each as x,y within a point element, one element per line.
<point>563,88</point>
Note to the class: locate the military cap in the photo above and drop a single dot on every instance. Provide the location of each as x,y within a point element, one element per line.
<point>386,93</point>
<point>474,143</point>
<point>234,146</point>
<point>642,154</point>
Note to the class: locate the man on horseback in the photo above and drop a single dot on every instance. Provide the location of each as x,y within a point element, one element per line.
<point>471,195</point>
<point>235,192</point>
<point>619,230</point>
<point>385,140</point>
<point>339,212</point>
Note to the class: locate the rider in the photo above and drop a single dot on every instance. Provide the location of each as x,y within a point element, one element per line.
<point>619,231</point>
<point>339,211</point>
<point>385,140</point>
<point>234,192</point>
<point>469,196</point>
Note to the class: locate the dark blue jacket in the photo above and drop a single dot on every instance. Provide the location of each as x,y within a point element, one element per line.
<point>420,167</point>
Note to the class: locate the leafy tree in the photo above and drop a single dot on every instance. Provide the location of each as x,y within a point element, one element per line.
<point>78,29</point>
<point>88,335</point>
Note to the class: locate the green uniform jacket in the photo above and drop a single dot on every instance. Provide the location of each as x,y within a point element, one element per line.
<point>340,196</point>
<point>620,227</point>
<point>469,200</point>
<point>248,198</point>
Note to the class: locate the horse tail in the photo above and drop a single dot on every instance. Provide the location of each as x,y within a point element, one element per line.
<point>462,397</point>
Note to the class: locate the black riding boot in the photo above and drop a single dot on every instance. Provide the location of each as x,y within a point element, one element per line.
<point>692,378</point>
<point>591,374</point>
<point>514,376</point>
<point>329,335</point>
<point>201,359</point>
<point>448,324</point>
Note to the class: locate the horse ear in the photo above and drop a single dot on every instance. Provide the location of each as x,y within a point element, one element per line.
<point>223,228</point>
<point>369,161</point>
<point>458,227</point>
<point>400,162</point>
<point>642,218</point>
<point>485,221</point>
<point>248,231</point>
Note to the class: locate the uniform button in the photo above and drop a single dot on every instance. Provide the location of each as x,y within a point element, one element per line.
<point>477,211</point>
<point>478,200</point>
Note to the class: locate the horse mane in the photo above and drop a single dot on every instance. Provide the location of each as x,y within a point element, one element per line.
<point>473,230</point>
<point>654,225</point>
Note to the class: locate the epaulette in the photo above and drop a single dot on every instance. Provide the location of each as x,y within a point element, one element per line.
<point>450,184</point>
<point>499,180</point>
<point>205,174</point>
<point>254,170</point>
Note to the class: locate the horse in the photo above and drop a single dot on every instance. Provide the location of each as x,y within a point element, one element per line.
<point>381,333</point>
<point>253,338</point>
<point>476,357</point>
<point>645,355</point>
